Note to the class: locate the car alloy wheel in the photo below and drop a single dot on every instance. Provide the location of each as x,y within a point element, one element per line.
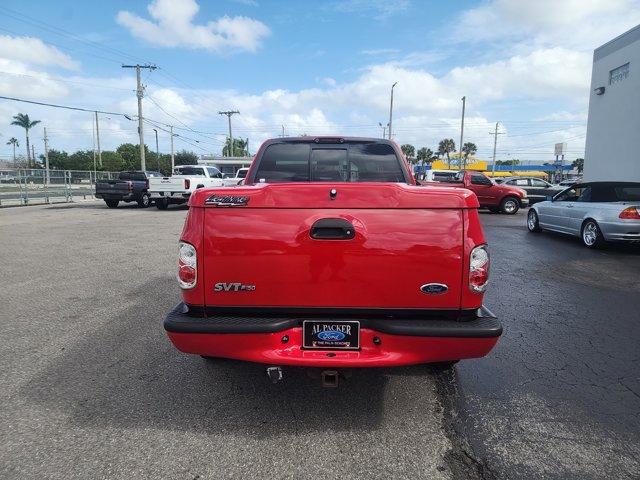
<point>532,221</point>
<point>590,234</point>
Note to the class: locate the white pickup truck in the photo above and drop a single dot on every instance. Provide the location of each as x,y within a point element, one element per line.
<point>237,178</point>
<point>185,180</point>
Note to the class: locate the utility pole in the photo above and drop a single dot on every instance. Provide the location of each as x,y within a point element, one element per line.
<point>140,94</point>
<point>229,113</point>
<point>282,131</point>
<point>98,138</point>
<point>495,134</point>
<point>173,158</point>
<point>46,156</point>
<point>247,147</point>
<point>391,110</point>
<point>157,150</point>
<point>464,101</point>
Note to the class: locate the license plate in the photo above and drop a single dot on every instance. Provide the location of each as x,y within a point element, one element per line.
<point>341,335</point>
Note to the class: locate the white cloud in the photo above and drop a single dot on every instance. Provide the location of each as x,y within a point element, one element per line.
<point>380,51</point>
<point>17,80</point>
<point>172,25</point>
<point>35,52</point>
<point>580,24</point>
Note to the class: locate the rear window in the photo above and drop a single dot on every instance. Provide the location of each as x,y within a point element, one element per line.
<point>444,176</point>
<point>628,194</point>
<point>194,171</point>
<point>346,162</point>
<point>610,193</point>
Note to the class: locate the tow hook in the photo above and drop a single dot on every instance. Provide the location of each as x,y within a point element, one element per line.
<point>274,374</point>
<point>329,378</point>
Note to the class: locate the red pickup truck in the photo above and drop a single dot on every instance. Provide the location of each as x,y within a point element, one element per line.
<point>330,255</point>
<point>495,197</point>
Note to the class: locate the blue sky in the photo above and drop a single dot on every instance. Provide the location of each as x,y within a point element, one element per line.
<point>314,67</point>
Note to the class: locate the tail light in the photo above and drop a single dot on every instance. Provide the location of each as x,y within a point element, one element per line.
<point>187,184</point>
<point>630,213</point>
<point>187,266</point>
<point>479,269</point>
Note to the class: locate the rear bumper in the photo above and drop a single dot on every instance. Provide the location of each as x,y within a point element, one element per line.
<point>524,202</point>
<point>124,197</point>
<point>621,231</point>
<point>397,341</point>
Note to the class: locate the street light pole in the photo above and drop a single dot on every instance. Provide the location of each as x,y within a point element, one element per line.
<point>384,129</point>
<point>391,110</point>
<point>98,139</point>
<point>464,101</point>
<point>173,160</point>
<point>46,156</point>
<point>157,150</point>
<point>495,134</point>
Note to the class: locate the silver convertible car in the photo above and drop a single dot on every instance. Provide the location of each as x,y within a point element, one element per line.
<point>597,212</point>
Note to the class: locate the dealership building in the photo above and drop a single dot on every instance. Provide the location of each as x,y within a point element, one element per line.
<point>613,128</point>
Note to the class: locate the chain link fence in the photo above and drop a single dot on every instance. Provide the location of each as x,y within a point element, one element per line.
<point>26,186</point>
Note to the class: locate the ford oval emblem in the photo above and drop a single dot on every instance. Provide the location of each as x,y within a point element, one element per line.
<point>331,336</point>
<point>434,288</point>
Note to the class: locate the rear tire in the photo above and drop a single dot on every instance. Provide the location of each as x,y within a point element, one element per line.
<point>144,201</point>
<point>591,235</point>
<point>162,204</point>
<point>509,205</point>
<point>533,223</point>
<point>112,203</point>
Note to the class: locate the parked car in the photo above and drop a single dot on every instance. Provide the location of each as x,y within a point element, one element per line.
<point>439,175</point>
<point>537,189</point>
<point>129,187</point>
<point>568,183</point>
<point>236,179</point>
<point>497,198</point>
<point>185,180</point>
<point>597,212</point>
<point>331,256</point>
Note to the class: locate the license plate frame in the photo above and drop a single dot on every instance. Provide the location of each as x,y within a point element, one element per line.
<point>350,339</point>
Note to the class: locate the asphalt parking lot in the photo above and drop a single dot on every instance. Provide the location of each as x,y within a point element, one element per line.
<point>91,388</point>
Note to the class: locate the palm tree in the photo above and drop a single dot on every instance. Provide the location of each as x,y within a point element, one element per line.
<point>23,120</point>
<point>425,155</point>
<point>14,141</point>
<point>468,149</point>
<point>446,146</point>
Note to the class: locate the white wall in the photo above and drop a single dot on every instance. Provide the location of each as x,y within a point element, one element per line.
<point>613,128</point>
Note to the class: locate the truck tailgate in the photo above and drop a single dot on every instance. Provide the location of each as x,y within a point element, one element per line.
<point>264,254</point>
<point>167,184</point>
<point>112,187</point>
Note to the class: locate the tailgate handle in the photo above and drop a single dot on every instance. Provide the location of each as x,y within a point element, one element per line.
<point>332,229</point>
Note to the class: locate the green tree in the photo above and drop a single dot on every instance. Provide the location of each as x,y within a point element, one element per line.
<point>112,161</point>
<point>512,162</point>
<point>131,155</point>
<point>239,148</point>
<point>81,160</point>
<point>578,164</point>
<point>23,120</point>
<point>425,156</point>
<point>468,149</point>
<point>57,159</point>
<point>184,157</point>
<point>409,151</point>
<point>14,141</point>
<point>445,147</point>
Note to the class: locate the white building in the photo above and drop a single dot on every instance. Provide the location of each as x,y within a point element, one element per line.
<point>613,129</point>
